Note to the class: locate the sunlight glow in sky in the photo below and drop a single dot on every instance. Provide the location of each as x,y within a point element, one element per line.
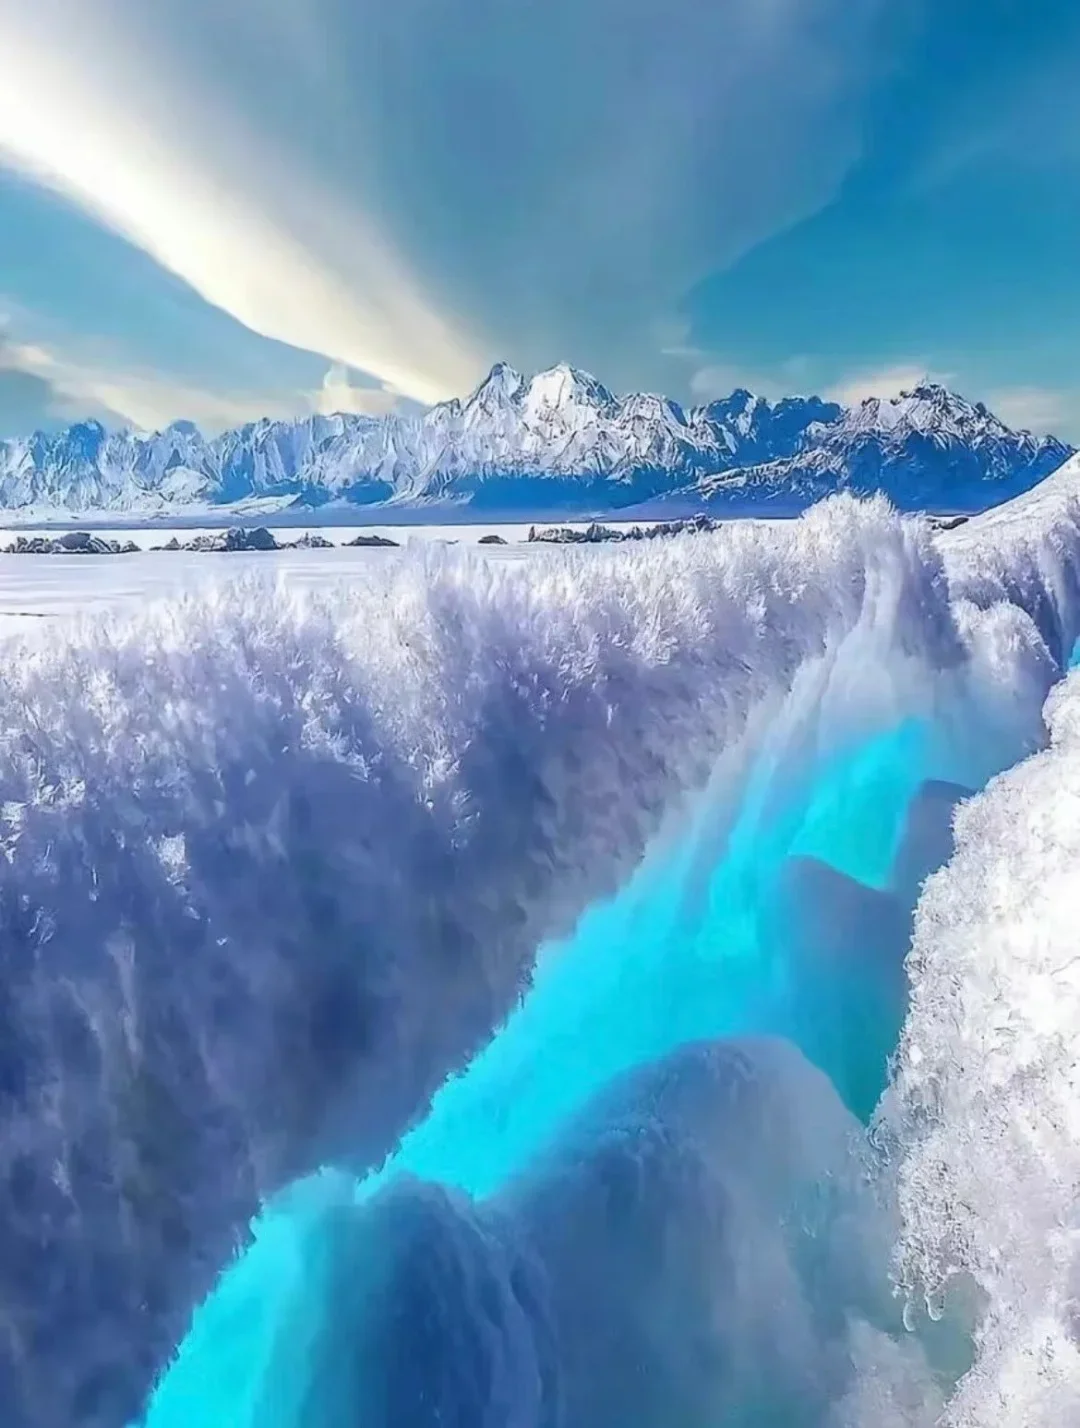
<point>286,206</point>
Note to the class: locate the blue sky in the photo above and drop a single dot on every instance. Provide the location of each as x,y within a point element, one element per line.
<point>218,210</point>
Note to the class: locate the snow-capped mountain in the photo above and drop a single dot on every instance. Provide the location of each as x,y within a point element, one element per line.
<point>927,448</point>
<point>555,442</point>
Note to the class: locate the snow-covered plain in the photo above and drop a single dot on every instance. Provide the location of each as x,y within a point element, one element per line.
<point>146,536</point>
<point>33,587</point>
<point>629,840</point>
<point>51,586</point>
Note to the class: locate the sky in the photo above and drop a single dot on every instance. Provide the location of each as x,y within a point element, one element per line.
<point>217,210</point>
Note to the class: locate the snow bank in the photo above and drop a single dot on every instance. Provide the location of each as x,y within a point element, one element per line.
<point>985,1105</point>
<point>1025,553</point>
<point>273,866</point>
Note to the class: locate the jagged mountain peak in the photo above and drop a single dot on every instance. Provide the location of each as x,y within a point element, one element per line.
<point>564,386</point>
<point>932,409</point>
<point>928,390</point>
<point>84,435</point>
<point>738,401</point>
<point>502,383</point>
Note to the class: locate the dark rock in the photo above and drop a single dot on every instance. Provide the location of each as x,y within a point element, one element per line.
<point>31,545</point>
<point>948,523</point>
<point>596,534</point>
<point>83,543</point>
<point>375,540</point>
<point>237,538</point>
<point>558,535</point>
<point>258,539</point>
<point>70,543</point>
<point>492,540</point>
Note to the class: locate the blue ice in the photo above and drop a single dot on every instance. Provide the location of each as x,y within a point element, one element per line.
<point>706,942</point>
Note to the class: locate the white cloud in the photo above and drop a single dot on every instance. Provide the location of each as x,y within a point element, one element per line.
<point>339,394</point>
<point>149,401</point>
<point>1034,122</point>
<point>1043,410</point>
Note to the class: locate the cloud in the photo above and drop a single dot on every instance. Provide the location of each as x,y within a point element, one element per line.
<point>85,111</point>
<point>396,187</point>
<point>27,400</point>
<point>1030,122</point>
<point>339,393</point>
<point>55,388</point>
<point>1043,410</point>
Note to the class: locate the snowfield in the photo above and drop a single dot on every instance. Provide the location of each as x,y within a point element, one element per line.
<point>32,587</point>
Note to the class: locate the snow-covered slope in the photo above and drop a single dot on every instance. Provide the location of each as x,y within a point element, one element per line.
<point>559,441</point>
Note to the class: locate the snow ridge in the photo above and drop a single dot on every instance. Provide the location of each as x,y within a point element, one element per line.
<point>984,1103</point>
<point>558,441</point>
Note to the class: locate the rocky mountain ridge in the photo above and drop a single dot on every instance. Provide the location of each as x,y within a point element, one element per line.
<point>556,442</point>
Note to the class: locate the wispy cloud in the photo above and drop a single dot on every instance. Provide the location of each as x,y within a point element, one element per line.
<point>84,110</point>
<point>339,393</point>
<point>1031,123</point>
<point>65,388</point>
<point>392,187</point>
<point>1043,410</point>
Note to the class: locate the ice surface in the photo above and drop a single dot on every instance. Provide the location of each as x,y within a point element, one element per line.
<point>678,1255</point>
<point>285,861</point>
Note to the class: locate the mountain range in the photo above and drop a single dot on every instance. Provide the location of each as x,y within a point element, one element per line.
<point>556,443</point>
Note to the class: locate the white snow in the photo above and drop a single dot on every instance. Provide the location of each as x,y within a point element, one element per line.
<point>52,586</point>
<point>1027,553</point>
<point>982,1120</point>
<point>986,1105</point>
